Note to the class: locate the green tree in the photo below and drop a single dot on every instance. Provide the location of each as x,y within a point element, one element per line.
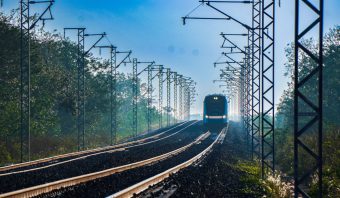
<point>331,105</point>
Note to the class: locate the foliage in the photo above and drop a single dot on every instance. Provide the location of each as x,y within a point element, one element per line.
<point>331,117</point>
<point>250,178</point>
<point>278,187</point>
<point>53,96</point>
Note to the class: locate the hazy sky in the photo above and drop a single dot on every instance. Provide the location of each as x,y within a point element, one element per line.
<point>153,30</point>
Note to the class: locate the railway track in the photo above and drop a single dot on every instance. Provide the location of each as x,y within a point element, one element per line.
<point>78,168</point>
<point>222,173</point>
<point>45,188</point>
<point>145,184</point>
<point>69,157</point>
<point>106,186</point>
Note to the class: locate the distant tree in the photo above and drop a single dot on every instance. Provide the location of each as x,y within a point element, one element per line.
<point>54,95</point>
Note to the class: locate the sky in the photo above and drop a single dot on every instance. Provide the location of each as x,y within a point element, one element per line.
<point>154,31</point>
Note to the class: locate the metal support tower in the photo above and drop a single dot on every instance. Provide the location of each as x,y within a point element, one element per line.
<point>188,103</point>
<point>185,102</point>
<point>158,69</point>
<point>241,97</point>
<point>188,89</point>
<point>168,106</point>
<point>256,62</point>
<point>308,106</point>
<point>244,96</point>
<point>175,97</point>
<point>149,96</point>
<point>25,81</point>
<point>81,89</point>
<point>25,73</point>
<point>248,96</point>
<point>81,81</point>
<point>267,87</point>
<point>248,91</point>
<point>160,97</point>
<point>114,108</point>
<point>247,63</point>
<point>180,116</point>
<point>148,69</point>
<point>112,91</point>
<point>135,96</point>
<point>113,94</point>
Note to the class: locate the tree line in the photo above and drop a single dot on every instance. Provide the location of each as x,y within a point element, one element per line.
<point>54,94</point>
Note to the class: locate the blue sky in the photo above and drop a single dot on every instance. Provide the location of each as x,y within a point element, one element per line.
<point>153,30</point>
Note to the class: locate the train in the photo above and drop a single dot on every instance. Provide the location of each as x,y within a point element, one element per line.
<point>215,111</point>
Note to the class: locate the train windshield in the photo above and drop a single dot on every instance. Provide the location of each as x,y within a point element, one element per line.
<point>215,105</point>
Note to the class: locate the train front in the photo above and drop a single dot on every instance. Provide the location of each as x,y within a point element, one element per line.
<point>215,110</point>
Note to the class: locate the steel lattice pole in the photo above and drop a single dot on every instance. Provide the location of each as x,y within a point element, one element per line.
<point>81,89</point>
<point>149,96</point>
<point>185,95</point>
<point>160,97</point>
<point>25,73</point>
<point>81,82</point>
<point>256,62</point>
<point>241,97</point>
<point>113,95</point>
<point>189,104</point>
<point>25,80</point>
<point>249,85</point>
<point>180,99</point>
<point>168,96</point>
<point>175,97</point>
<point>135,96</point>
<point>267,86</point>
<point>308,105</point>
<point>246,94</point>
<point>186,102</point>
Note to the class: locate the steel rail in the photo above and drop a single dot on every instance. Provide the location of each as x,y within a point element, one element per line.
<point>108,151</point>
<point>20,165</point>
<point>145,184</point>
<point>45,188</point>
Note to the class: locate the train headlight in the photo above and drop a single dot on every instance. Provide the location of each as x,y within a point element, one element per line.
<point>206,116</point>
<point>224,116</point>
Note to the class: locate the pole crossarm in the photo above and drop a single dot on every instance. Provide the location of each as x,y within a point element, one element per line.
<point>128,54</point>
<point>102,35</point>
<point>157,68</point>
<point>42,15</point>
<point>227,15</point>
<point>150,63</point>
<point>224,36</point>
<point>203,18</point>
<point>233,45</point>
<point>240,63</point>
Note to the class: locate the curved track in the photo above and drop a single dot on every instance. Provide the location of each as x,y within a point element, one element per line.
<point>99,163</point>
<point>117,182</point>
<point>143,185</point>
<point>69,157</point>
